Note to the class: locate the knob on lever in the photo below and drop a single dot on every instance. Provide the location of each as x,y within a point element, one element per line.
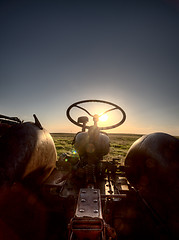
<point>84,121</point>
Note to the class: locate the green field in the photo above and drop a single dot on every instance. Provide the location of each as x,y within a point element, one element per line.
<point>119,144</point>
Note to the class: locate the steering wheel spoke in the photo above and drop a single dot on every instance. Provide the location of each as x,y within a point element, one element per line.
<point>84,110</point>
<point>107,111</point>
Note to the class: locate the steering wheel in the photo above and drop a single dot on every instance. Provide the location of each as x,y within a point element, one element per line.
<point>115,107</point>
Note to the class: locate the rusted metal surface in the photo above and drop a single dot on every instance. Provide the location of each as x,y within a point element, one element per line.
<point>152,167</point>
<point>27,153</point>
<point>88,222</point>
<point>86,228</point>
<point>113,196</point>
<point>89,203</point>
<point>149,204</point>
<point>56,178</point>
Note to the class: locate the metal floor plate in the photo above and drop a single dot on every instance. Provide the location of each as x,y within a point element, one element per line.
<point>89,203</point>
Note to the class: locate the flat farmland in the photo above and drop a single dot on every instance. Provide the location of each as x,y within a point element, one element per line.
<point>119,144</point>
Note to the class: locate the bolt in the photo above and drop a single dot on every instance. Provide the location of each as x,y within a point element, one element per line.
<point>81,210</point>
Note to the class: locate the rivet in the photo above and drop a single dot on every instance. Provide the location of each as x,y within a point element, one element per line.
<point>96,211</point>
<point>83,191</point>
<point>83,200</point>
<point>81,210</point>
<point>95,191</point>
<point>95,200</point>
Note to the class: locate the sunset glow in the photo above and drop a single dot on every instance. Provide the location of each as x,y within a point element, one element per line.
<point>55,53</point>
<point>103,118</point>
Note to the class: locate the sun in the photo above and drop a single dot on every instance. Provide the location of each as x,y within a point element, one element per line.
<point>103,117</point>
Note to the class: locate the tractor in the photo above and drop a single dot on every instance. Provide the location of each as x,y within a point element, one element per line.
<point>86,197</point>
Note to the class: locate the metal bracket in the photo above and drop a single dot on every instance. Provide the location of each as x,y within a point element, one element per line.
<point>89,203</point>
<point>88,222</point>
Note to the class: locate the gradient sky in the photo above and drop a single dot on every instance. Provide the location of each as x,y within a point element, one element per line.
<point>54,53</point>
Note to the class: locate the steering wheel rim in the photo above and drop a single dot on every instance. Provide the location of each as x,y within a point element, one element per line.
<point>100,101</point>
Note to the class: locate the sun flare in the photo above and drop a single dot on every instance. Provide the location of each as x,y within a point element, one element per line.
<point>103,117</point>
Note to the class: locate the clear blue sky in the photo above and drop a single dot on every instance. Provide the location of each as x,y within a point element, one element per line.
<point>54,53</point>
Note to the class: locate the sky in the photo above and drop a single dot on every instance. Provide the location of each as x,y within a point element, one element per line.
<point>54,53</point>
